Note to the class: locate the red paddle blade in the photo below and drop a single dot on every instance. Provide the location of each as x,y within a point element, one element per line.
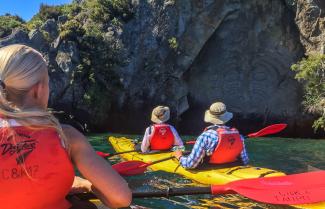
<point>288,190</point>
<point>102,154</point>
<point>129,168</point>
<point>272,129</point>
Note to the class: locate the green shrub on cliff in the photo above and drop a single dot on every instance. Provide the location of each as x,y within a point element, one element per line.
<point>71,30</point>
<point>120,8</point>
<point>93,26</point>
<point>45,12</point>
<point>70,10</point>
<point>93,29</point>
<point>8,23</point>
<point>173,43</point>
<point>53,12</point>
<point>311,73</point>
<point>102,11</point>
<point>100,55</point>
<point>49,12</point>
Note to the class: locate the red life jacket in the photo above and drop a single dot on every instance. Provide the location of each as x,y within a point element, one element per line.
<point>229,146</point>
<point>35,170</point>
<point>162,138</point>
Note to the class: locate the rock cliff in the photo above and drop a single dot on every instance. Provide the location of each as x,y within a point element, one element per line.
<point>188,54</point>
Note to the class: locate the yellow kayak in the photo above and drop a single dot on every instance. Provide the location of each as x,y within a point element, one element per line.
<point>214,176</point>
<point>99,204</point>
<point>77,203</point>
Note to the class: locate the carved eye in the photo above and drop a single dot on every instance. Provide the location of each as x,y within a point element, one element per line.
<point>259,75</point>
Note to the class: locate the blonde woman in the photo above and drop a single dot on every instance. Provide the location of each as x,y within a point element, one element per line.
<point>37,154</point>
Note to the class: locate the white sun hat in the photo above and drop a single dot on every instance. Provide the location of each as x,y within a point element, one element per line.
<point>217,114</point>
<point>160,114</point>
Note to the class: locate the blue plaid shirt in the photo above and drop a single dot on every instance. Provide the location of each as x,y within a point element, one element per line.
<point>205,145</point>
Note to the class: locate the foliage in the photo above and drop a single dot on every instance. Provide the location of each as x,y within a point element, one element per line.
<point>311,72</point>
<point>45,12</point>
<point>34,23</point>
<point>71,10</point>
<point>105,10</point>
<point>46,36</point>
<point>8,23</point>
<point>100,57</point>
<point>100,51</point>
<point>71,29</point>
<point>49,12</point>
<point>92,26</point>
<point>53,12</point>
<point>116,22</point>
<point>173,43</point>
<point>97,11</point>
<point>120,8</point>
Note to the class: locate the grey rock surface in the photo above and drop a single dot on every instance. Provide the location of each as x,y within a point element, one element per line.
<point>18,36</point>
<point>190,53</point>
<point>37,39</point>
<point>50,27</point>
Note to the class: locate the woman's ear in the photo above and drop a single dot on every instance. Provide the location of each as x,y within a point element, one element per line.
<point>37,92</point>
<point>38,95</point>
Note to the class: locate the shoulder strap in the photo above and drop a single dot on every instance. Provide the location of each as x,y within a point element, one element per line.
<point>150,127</point>
<point>213,127</point>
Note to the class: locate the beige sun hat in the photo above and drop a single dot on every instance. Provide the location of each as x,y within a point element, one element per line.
<point>160,114</point>
<point>217,114</point>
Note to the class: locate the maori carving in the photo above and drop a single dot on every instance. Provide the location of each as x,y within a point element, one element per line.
<point>262,84</point>
<point>246,64</point>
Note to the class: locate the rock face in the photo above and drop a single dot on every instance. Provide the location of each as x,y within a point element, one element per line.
<point>190,53</point>
<point>238,52</point>
<point>310,19</point>
<point>253,49</point>
<point>17,37</point>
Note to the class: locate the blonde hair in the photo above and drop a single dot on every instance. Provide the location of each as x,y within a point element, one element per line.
<point>22,67</point>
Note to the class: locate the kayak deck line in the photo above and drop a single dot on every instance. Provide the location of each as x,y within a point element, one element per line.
<point>236,169</point>
<point>267,173</point>
<point>215,176</point>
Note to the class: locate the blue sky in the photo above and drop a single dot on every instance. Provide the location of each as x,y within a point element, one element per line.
<point>26,8</point>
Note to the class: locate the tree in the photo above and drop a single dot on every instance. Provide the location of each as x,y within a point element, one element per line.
<point>8,23</point>
<point>311,73</point>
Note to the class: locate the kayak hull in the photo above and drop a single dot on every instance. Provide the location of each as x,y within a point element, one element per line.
<point>216,176</point>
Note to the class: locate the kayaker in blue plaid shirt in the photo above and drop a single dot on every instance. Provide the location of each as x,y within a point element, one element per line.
<point>206,143</point>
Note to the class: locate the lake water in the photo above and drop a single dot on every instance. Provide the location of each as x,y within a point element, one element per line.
<point>283,154</point>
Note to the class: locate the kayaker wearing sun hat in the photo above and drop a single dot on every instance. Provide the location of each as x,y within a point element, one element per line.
<point>160,136</point>
<point>219,143</point>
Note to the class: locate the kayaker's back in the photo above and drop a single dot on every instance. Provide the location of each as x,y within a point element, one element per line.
<point>36,172</point>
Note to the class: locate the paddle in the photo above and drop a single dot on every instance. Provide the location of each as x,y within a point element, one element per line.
<point>293,189</point>
<point>105,155</point>
<point>134,167</point>
<point>272,129</point>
